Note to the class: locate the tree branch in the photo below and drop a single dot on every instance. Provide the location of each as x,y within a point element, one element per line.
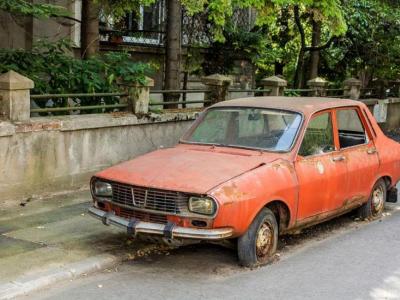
<point>297,20</point>
<point>66,17</point>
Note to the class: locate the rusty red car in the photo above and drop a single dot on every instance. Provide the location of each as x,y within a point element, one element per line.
<point>251,169</point>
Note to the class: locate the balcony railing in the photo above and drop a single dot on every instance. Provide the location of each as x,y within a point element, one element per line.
<point>135,37</point>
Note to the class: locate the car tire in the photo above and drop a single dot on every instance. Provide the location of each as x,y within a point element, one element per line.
<point>376,203</point>
<point>258,245</point>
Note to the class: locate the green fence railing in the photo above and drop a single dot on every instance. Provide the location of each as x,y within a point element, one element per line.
<point>64,106</point>
<point>83,103</point>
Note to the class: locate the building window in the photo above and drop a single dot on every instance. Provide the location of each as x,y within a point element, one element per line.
<point>143,27</point>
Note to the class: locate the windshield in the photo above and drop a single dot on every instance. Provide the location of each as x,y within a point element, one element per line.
<point>267,129</point>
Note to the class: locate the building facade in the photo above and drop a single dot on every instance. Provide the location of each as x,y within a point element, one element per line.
<point>141,33</point>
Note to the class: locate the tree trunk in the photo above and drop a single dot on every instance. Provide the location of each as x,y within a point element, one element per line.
<point>89,29</point>
<point>298,77</point>
<point>173,50</point>
<point>314,57</point>
<point>185,87</point>
<point>299,74</point>
<point>283,37</point>
<point>279,68</point>
<point>28,27</point>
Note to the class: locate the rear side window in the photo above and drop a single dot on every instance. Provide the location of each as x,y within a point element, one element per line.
<point>318,138</point>
<point>351,129</point>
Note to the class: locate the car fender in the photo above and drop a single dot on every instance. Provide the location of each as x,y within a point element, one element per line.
<point>240,199</point>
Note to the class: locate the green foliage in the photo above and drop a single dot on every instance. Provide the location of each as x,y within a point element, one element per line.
<point>370,46</point>
<point>220,11</point>
<point>54,70</point>
<point>26,8</point>
<point>273,40</point>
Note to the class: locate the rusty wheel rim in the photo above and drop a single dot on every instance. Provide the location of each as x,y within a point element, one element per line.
<point>378,200</point>
<point>265,240</point>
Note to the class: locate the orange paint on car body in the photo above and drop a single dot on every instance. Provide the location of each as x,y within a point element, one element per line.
<point>306,189</point>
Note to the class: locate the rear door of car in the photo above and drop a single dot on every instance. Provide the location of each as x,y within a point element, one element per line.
<point>357,149</point>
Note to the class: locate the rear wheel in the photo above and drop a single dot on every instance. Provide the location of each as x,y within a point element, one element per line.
<point>258,245</point>
<point>376,202</point>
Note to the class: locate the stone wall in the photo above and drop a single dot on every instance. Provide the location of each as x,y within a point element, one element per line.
<point>386,112</point>
<point>392,121</point>
<point>62,153</point>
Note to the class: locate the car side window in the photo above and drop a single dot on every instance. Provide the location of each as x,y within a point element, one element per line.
<point>351,129</point>
<point>318,138</point>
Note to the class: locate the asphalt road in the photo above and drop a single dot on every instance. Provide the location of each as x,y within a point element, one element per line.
<point>341,259</point>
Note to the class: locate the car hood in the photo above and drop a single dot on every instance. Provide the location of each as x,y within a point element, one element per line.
<point>186,168</point>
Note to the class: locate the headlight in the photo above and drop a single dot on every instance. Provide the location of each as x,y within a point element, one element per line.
<point>102,189</point>
<point>202,205</point>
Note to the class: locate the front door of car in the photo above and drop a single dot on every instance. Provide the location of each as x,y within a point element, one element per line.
<point>358,149</point>
<point>321,172</point>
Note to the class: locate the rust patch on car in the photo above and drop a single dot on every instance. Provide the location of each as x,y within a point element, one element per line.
<point>232,192</point>
<point>359,199</point>
<point>283,164</point>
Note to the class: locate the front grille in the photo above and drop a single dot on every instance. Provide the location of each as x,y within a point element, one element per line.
<point>148,198</point>
<point>143,216</point>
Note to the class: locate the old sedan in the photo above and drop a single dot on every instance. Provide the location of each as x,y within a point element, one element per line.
<point>250,169</point>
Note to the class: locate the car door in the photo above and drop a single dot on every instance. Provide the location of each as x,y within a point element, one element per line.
<point>321,172</point>
<point>358,149</point>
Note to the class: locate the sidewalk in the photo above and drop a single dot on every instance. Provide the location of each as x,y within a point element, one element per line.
<point>54,239</point>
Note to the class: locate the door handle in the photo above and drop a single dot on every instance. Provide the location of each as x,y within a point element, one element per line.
<point>338,158</point>
<point>371,150</point>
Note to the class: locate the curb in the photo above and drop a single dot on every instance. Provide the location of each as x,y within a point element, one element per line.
<point>33,282</point>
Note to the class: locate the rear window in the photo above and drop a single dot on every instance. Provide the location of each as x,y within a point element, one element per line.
<point>351,129</point>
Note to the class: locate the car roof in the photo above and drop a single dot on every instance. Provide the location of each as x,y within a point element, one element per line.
<point>305,105</point>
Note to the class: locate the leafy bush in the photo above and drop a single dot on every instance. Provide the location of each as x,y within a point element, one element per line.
<point>27,8</point>
<point>54,70</point>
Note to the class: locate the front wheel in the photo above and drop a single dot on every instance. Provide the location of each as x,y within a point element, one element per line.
<point>258,245</point>
<point>376,203</point>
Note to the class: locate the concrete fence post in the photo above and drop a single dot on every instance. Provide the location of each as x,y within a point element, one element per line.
<point>352,88</point>
<point>15,96</point>
<point>139,97</point>
<point>275,85</point>
<point>318,86</point>
<point>217,87</point>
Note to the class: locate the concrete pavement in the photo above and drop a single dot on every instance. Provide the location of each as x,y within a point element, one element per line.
<point>341,259</point>
<point>46,241</point>
<point>53,243</point>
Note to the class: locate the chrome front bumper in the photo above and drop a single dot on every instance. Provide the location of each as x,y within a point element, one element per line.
<point>169,230</point>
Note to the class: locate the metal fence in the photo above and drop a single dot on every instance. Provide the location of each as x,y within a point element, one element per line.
<point>184,103</point>
<point>148,28</point>
<point>73,104</point>
<point>137,37</point>
<point>369,93</point>
<point>58,104</point>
